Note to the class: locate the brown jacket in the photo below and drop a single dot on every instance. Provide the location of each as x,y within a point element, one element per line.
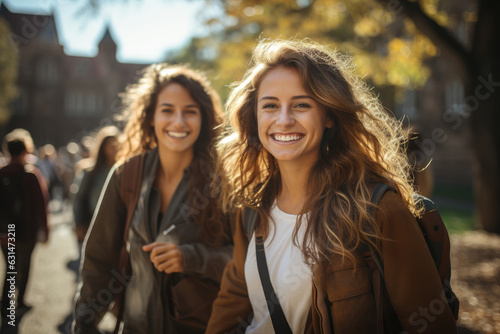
<point>413,286</point>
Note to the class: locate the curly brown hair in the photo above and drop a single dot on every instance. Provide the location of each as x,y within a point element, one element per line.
<point>140,101</point>
<point>362,148</point>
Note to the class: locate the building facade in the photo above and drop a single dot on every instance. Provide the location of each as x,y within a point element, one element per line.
<point>62,98</point>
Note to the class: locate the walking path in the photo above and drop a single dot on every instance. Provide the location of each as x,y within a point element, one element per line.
<point>53,281</point>
<point>52,285</point>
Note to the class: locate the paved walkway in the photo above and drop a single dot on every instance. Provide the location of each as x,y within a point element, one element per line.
<point>53,281</point>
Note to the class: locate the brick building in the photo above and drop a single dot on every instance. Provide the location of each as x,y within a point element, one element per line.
<point>62,97</point>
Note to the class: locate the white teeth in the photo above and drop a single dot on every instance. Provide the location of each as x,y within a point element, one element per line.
<point>286,138</point>
<point>177,134</point>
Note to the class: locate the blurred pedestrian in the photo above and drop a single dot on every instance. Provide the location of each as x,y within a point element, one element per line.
<point>103,158</point>
<point>23,219</point>
<point>179,241</point>
<point>47,158</point>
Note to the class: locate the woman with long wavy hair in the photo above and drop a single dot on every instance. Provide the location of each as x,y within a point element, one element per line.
<point>179,241</point>
<point>306,144</point>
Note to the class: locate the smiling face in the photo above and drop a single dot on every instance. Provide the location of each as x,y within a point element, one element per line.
<point>290,122</point>
<point>176,120</point>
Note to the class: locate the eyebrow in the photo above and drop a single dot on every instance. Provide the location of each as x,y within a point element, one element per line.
<point>186,106</point>
<point>293,98</point>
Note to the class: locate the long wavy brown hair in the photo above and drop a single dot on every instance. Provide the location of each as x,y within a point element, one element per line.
<point>140,101</point>
<point>362,148</point>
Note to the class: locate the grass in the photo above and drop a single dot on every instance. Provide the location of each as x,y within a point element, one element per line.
<point>457,221</point>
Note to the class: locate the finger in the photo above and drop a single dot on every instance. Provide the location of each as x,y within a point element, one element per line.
<point>171,266</point>
<point>161,260</point>
<point>152,245</point>
<point>162,248</point>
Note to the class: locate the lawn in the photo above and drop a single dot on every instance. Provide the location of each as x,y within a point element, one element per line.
<point>457,221</point>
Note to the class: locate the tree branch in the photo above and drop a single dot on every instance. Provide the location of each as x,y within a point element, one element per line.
<point>440,36</point>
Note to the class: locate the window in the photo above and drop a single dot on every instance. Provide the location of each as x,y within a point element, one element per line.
<point>83,103</point>
<point>47,72</point>
<point>454,98</point>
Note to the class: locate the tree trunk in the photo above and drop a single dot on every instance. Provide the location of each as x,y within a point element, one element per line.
<point>485,121</point>
<point>479,68</point>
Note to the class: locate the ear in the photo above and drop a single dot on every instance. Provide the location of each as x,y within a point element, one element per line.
<point>329,123</point>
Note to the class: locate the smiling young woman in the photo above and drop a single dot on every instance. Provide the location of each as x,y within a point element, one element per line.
<point>306,144</point>
<point>179,240</point>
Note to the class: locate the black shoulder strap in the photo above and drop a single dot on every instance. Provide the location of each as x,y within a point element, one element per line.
<point>378,269</point>
<point>277,316</point>
<point>249,220</point>
<point>379,191</point>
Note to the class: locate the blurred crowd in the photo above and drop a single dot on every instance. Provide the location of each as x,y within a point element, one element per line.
<point>64,168</point>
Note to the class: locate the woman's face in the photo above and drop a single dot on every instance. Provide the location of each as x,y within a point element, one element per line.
<point>290,122</point>
<point>176,120</point>
<point>111,148</point>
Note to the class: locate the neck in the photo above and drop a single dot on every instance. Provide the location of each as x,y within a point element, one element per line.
<point>20,159</point>
<point>294,183</point>
<point>173,164</point>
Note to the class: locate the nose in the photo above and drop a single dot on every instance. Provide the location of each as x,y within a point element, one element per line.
<point>285,117</point>
<point>178,120</point>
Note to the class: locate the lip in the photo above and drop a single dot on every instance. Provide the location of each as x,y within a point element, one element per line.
<point>287,138</point>
<point>177,134</point>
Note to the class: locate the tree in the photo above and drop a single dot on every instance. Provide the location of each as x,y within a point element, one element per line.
<point>479,69</point>
<point>8,72</point>
<point>410,32</point>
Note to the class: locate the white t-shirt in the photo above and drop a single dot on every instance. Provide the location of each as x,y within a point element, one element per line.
<point>290,276</point>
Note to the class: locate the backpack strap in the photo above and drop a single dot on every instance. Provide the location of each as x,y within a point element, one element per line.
<point>280,324</point>
<point>250,217</point>
<point>376,266</point>
<point>278,319</point>
<point>129,192</point>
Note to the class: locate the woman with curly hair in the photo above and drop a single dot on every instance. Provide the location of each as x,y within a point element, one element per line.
<point>179,241</point>
<point>307,142</point>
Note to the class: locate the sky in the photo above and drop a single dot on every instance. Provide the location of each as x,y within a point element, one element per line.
<point>144,30</point>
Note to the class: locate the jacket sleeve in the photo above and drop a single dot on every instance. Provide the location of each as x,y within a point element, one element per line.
<point>99,268</point>
<point>232,308</point>
<point>412,281</point>
<point>205,260</point>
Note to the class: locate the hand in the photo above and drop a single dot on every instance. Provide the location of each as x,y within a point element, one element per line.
<point>165,256</point>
